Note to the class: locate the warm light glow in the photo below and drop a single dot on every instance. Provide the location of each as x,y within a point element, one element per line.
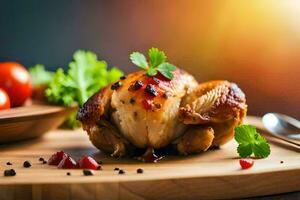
<point>3,98</point>
<point>21,74</point>
<point>271,120</point>
<point>290,11</point>
<point>254,43</point>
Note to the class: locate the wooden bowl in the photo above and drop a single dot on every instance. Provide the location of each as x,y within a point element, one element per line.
<point>30,121</point>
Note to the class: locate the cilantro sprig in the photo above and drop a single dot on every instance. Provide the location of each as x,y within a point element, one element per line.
<point>251,142</point>
<point>157,63</point>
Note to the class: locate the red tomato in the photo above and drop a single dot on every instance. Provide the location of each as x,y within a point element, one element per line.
<point>15,80</point>
<point>246,163</point>
<point>4,100</point>
<point>87,162</point>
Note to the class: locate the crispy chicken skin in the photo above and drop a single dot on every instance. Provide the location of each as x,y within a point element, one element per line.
<point>105,137</point>
<point>213,101</point>
<point>217,104</point>
<point>152,112</point>
<point>195,140</point>
<point>94,116</point>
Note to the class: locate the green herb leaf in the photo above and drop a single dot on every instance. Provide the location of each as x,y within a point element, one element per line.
<point>40,76</point>
<point>61,89</point>
<point>156,57</point>
<point>85,76</point>
<point>157,63</point>
<point>166,69</point>
<point>244,150</point>
<point>251,142</point>
<point>139,59</point>
<point>151,71</point>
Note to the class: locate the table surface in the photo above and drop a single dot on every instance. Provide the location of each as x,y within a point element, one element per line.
<point>76,144</point>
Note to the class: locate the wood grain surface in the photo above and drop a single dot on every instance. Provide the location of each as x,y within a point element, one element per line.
<point>30,121</point>
<point>210,175</point>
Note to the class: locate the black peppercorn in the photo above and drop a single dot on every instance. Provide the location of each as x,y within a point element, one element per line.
<point>41,159</point>
<point>68,174</point>
<point>8,163</point>
<point>26,164</point>
<point>100,162</point>
<point>88,172</point>
<point>117,169</point>
<point>166,95</point>
<point>137,85</point>
<point>9,172</point>
<point>99,167</point>
<point>157,105</point>
<point>116,85</point>
<point>121,171</point>
<point>132,100</point>
<point>150,89</point>
<point>281,161</point>
<point>139,171</point>
<point>44,162</point>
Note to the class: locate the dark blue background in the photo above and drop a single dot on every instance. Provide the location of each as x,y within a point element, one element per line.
<point>49,32</point>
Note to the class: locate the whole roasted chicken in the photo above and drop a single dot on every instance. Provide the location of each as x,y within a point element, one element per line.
<point>160,106</point>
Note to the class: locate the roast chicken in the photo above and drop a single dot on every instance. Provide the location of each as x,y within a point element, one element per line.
<point>149,113</point>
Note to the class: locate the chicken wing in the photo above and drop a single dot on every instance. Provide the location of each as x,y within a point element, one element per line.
<point>217,104</point>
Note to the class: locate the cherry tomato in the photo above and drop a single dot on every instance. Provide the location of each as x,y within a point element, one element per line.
<point>246,163</point>
<point>15,80</point>
<point>4,100</point>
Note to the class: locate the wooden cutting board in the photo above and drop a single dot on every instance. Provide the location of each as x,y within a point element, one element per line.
<point>210,175</point>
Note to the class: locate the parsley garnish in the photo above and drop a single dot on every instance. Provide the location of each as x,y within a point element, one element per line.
<point>157,62</point>
<point>250,141</point>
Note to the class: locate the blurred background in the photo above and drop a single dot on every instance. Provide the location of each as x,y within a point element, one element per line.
<point>253,43</point>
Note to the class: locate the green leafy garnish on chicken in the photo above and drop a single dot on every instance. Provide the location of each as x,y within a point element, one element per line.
<point>157,63</point>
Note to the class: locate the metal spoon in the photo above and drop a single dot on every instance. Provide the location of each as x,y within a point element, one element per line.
<point>282,127</point>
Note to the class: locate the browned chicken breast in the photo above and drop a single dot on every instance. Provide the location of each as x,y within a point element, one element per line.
<point>146,112</point>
